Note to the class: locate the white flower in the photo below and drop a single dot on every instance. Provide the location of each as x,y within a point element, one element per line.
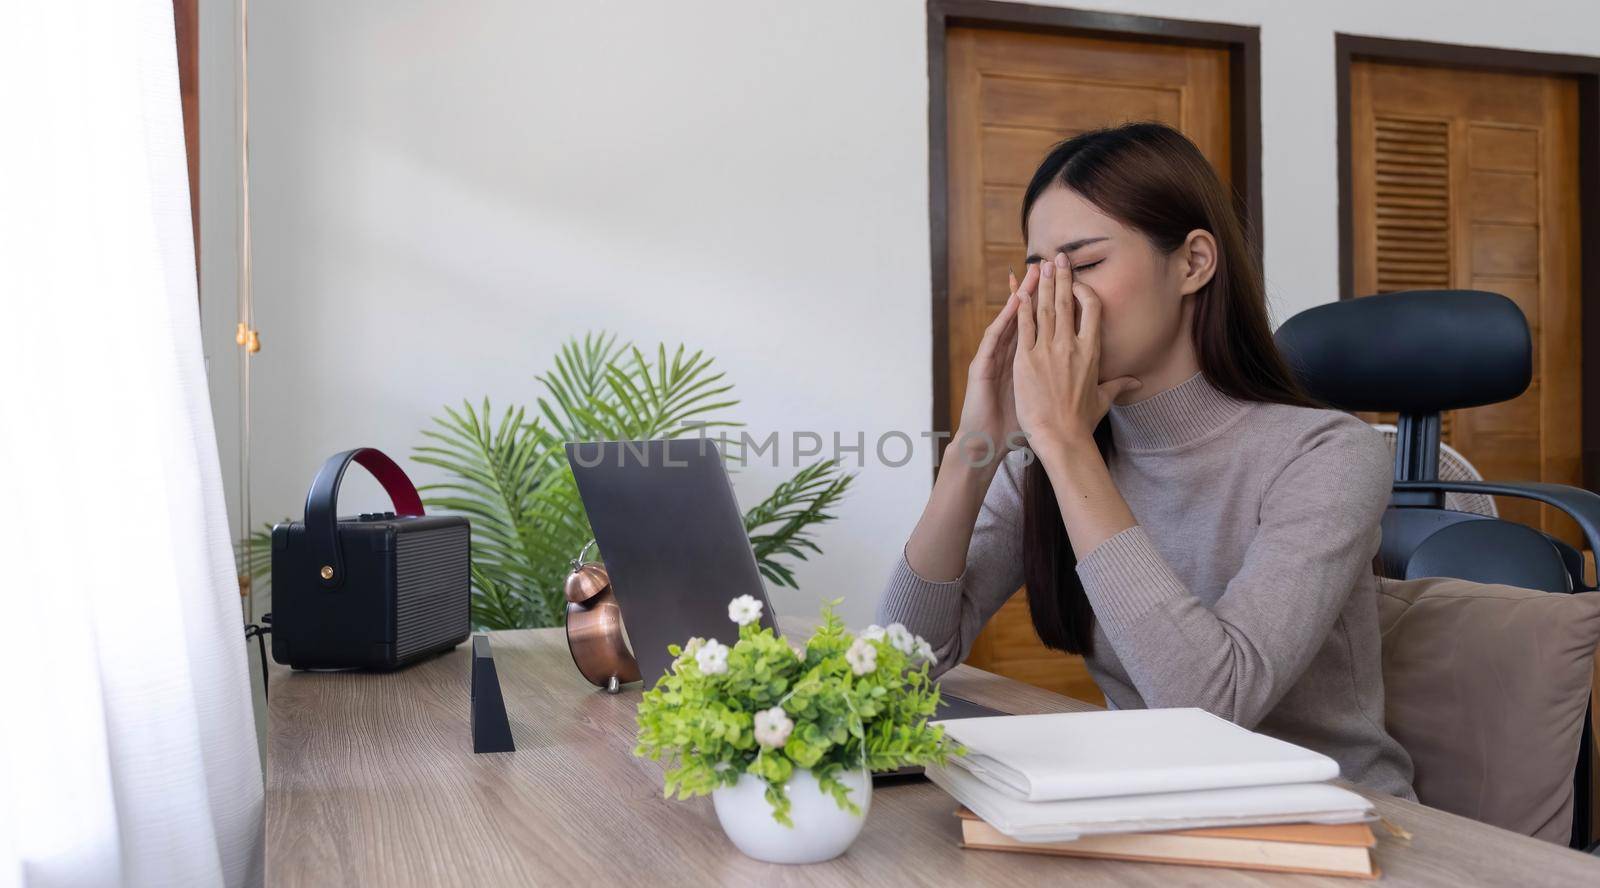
<point>799,653</point>
<point>925,650</point>
<point>901,638</point>
<point>873,632</point>
<point>712,657</point>
<point>689,649</point>
<point>862,656</point>
<point>744,609</point>
<point>773,727</point>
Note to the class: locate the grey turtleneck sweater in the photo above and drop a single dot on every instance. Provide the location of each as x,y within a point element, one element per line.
<point>1245,588</point>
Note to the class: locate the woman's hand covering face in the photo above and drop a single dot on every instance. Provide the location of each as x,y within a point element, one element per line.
<point>1056,366</point>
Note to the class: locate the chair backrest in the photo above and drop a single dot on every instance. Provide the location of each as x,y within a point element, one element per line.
<point>1419,353</point>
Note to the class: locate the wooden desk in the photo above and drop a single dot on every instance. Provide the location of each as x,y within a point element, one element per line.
<point>371,780</point>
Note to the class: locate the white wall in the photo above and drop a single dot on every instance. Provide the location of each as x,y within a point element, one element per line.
<point>443,192</point>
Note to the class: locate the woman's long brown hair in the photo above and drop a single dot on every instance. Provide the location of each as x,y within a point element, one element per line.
<point>1154,180</point>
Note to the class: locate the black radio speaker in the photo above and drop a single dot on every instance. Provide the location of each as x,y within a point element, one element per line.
<point>380,590</point>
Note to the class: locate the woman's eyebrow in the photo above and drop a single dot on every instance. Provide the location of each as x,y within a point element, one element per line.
<point>1069,247</point>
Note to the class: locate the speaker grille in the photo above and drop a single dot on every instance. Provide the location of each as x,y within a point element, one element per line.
<point>433,596</point>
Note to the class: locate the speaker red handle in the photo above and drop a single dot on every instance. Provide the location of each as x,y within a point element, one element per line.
<point>322,532</point>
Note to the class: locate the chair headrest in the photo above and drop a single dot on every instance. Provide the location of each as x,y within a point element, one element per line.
<point>1418,351</point>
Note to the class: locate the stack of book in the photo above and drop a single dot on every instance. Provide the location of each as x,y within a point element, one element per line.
<point>1166,785</point>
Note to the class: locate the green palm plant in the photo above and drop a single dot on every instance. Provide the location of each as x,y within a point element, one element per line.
<point>255,561</point>
<point>507,472</point>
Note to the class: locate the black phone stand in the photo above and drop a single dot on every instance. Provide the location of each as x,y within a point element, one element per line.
<point>491,730</point>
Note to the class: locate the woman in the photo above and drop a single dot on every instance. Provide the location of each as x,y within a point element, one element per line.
<point>1183,514</point>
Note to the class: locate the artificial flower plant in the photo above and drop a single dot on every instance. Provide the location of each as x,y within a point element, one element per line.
<point>760,707</point>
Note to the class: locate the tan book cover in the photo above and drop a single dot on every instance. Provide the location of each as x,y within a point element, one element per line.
<point>1329,850</point>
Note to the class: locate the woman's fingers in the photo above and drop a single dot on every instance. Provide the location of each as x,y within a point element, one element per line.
<point>1027,296</point>
<point>999,338</point>
<point>1089,309</point>
<point>1006,349</point>
<point>994,333</point>
<point>1045,308</point>
<point>1066,315</point>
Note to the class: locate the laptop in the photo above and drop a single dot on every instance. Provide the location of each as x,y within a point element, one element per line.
<point>674,544</point>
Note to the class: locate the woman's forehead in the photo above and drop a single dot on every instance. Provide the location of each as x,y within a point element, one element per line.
<point>1061,216</point>
<point>1061,221</point>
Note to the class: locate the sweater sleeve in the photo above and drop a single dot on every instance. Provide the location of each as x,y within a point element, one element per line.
<point>1318,530</point>
<point>949,614</point>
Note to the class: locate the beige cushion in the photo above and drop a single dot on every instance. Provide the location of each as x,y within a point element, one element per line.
<point>1485,685</point>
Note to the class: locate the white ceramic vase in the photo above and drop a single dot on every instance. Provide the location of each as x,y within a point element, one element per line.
<point>822,830</point>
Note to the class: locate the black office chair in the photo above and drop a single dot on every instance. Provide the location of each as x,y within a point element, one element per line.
<point>1420,353</point>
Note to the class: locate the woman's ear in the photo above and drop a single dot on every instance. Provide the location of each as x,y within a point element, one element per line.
<point>1199,257</point>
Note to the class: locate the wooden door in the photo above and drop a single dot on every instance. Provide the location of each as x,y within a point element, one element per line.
<point>1469,179</point>
<point>1010,97</point>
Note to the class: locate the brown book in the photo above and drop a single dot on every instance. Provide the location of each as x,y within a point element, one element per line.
<point>1317,849</point>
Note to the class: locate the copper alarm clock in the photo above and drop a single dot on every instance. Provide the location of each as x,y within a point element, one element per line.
<point>595,635</point>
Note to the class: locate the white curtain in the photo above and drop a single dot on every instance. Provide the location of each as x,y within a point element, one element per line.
<point>127,744</point>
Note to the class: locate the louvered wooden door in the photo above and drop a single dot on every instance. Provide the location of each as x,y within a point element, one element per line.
<point>1010,97</point>
<point>1469,179</point>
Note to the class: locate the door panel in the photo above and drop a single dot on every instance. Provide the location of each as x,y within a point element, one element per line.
<point>1468,179</point>
<point>1011,96</point>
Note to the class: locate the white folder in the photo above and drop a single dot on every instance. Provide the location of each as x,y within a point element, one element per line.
<point>1083,755</point>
